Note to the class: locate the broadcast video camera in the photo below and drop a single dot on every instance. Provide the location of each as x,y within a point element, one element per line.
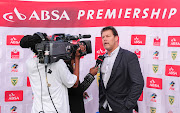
<point>59,47</point>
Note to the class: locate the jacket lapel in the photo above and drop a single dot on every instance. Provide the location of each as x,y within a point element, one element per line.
<point>101,81</point>
<point>116,63</point>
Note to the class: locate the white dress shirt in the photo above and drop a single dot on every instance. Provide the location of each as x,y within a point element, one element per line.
<point>106,69</point>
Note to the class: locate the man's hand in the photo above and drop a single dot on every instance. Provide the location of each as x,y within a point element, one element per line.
<point>93,71</point>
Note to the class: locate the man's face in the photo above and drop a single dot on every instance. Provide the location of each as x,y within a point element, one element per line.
<point>109,40</point>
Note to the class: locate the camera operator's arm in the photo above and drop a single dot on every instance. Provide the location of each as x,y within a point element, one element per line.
<point>76,69</point>
<point>89,78</point>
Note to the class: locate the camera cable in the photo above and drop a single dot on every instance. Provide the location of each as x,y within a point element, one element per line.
<point>49,85</point>
<point>41,91</point>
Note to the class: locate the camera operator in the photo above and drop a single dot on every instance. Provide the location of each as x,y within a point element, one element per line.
<point>58,79</point>
<point>76,94</point>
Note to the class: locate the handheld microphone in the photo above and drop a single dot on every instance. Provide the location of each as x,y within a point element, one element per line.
<point>99,60</point>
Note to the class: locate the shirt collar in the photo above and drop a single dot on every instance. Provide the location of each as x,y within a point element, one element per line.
<point>112,53</point>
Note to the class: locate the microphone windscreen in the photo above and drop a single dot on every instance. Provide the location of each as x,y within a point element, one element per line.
<point>29,41</point>
<point>24,43</point>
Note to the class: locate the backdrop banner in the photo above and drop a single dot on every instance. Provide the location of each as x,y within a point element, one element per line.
<point>149,28</point>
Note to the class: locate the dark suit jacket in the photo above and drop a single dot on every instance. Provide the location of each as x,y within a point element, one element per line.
<point>125,84</point>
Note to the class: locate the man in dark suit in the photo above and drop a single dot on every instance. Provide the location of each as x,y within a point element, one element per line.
<point>121,81</point>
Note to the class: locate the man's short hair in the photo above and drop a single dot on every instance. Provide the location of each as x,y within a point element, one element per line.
<point>115,33</point>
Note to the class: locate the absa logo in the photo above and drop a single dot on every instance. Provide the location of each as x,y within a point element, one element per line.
<point>9,16</point>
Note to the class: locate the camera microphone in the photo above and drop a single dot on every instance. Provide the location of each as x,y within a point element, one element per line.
<point>75,37</point>
<point>99,61</point>
<point>71,37</point>
<point>86,36</point>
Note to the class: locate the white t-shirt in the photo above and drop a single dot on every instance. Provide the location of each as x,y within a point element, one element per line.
<point>60,79</point>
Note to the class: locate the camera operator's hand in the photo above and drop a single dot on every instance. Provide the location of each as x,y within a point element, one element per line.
<point>82,47</point>
<point>76,68</point>
<point>93,71</point>
<point>77,54</point>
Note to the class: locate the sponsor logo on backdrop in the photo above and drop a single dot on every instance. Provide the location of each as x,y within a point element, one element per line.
<point>15,54</point>
<point>155,68</point>
<point>13,39</point>
<point>9,16</point>
<point>45,15</point>
<point>88,14</point>
<point>11,96</point>
<point>13,109</point>
<point>98,76</point>
<point>134,111</point>
<point>152,109</point>
<point>138,53</point>
<point>14,68</point>
<point>171,99</point>
<point>173,54</point>
<point>14,80</point>
<point>156,55</point>
<point>141,97</point>
<point>61,0</point>
<point>99,49</point>
<point>28,82</point>
<point>153,97</point>
<point>138,39</point>
<point>172,70</point>
<point>172,84</point>
<point>157,41</point>
<point>154,83</point>
<point>174,41</point>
